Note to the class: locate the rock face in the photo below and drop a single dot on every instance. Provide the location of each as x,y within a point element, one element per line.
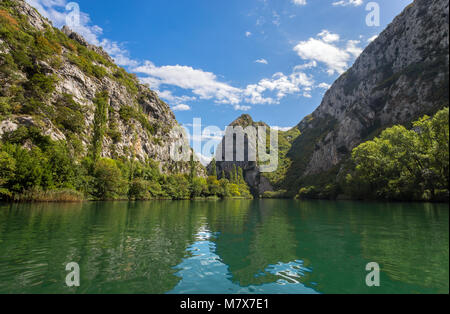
<point>145,131</point>
<point>400,76</point>
<point>256,181</point>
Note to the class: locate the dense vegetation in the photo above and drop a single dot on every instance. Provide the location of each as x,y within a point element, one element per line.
<point>33,167</point>
<point>400,164</point>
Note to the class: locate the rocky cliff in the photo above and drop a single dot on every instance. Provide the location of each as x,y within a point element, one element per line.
<point>400,76</point>
<point>256,181</point>
<point>55,81</point>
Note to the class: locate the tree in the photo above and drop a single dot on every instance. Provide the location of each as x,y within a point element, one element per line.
<point>193,171</point>
<point>240,179</point>
<point>108,182</point>
<point>234,174</point>
<point>405,164</point>
<point>213,186</point>
<point>7,168</point>
<point>214,168</point>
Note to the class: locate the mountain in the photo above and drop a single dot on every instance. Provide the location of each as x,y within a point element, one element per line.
<point>56,82</point>
<point>258,183</point>
<point>400,76</point>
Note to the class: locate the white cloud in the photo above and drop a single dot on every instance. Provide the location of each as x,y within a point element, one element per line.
<point>242,108</point>
<point>204,160</point>
<point>353,48</point>
<point>168,96</point>
<point>201,83</point>
<point>262,61</point>
<point>280,128</point>
<point>325,50</point>
<point>308,65</point>
<point>372,38</point>
<point>328,37</point>
<point>324,85</point>
<point>281,84</point>
<point>345,3</point>
<point>299,2</point>
<point>181,107</point>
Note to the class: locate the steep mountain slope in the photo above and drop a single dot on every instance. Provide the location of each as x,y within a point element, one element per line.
<point>56,82</point>
<point>400,76</point>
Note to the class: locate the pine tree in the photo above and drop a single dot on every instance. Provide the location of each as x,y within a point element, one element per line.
<point>192,173</point>
<point>241,176</point>
<point>214,168</point>
<point>234,175</point>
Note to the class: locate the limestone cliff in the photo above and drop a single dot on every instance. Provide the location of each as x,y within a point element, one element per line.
<point>256,181</point>
<point>400,76</point>
<point>52,79</point>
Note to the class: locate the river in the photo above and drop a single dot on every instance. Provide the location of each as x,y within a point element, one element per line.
<point>231,246</point>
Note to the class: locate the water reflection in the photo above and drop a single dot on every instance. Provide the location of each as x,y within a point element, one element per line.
<point>204,272</point>
<point>269,246</point>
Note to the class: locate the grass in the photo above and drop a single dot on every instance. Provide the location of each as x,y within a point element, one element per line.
<point>60,196</point>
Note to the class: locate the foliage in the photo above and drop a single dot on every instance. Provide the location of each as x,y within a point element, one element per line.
<point>101,102</point>
<point>404,164</point>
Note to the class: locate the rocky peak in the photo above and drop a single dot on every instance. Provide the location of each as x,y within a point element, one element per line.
<point>400,76</point>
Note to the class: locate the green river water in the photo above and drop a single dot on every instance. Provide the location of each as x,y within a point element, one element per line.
<point>233,246</point>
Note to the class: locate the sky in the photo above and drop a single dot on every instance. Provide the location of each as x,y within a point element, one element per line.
<point>215,60</point>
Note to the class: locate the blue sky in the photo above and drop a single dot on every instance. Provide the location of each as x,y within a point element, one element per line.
<point>215,60</point>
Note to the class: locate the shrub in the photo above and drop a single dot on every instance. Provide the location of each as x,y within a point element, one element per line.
<point>108,182</point>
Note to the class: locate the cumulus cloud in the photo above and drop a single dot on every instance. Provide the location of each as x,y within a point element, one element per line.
<point>262,61</point>
<point>345,3</point>
<point>201,83</point>
<point>299,2</point>
<point>328,37</point>
<point>324,86</point>
<point>281,84</point>
<point>372,38</point>
<point>170,97</point>
<point>281,128</point>
<point>242,108</point>
<point>324,49</point>
<point>181,107</point>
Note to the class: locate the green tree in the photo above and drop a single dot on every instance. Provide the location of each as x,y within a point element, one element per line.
<point>108,182</point>
<point>214,168</point>
<point>404,164</point>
